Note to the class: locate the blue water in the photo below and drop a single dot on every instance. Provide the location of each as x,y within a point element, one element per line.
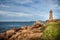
<point>9,25</point>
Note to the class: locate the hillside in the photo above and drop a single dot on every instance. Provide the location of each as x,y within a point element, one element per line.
<point>52,31</point>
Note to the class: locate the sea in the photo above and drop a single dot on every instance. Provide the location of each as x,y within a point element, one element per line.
<point>4,26</point>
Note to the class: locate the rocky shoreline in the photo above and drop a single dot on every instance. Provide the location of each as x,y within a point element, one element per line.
<point>33,32</point>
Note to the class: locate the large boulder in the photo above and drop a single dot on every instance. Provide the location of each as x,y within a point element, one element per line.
<point>9,33</point>
<point>38,24</point>
<point>3,36</point>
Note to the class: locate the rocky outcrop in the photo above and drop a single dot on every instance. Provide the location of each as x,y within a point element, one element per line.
<point>33,32</point>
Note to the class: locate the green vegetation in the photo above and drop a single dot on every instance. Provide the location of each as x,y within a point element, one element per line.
<point>52,31</point>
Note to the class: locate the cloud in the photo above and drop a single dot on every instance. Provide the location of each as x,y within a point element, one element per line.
<point>33,9</point>
<point>29,5</point>
<point>15,14</point>
<point>19,14</point>
<point>4,6</point>
<point>56,7</point>
<point>22,1</point>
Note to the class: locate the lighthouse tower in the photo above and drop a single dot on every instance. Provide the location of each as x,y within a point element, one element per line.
<point>51,15</point>
<point>51,19</point>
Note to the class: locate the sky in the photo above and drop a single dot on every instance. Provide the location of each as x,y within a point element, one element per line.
<point>28,10</point>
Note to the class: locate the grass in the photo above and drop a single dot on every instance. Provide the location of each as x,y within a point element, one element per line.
<point>52,31</point>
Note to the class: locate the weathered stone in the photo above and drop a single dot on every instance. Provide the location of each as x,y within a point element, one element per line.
<point>9,33</point>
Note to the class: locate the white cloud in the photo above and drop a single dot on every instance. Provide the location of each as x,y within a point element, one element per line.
<point>15,14</point>
<point>20,14</point>
<point>4,6</point>
<point>22,1</point>
<point>32,9</point>
<point>57,6</point>
<point>54,4</point>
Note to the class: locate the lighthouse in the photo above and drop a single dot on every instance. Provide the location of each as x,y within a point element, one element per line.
<point>51,19</point>
<point>51,15</point>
